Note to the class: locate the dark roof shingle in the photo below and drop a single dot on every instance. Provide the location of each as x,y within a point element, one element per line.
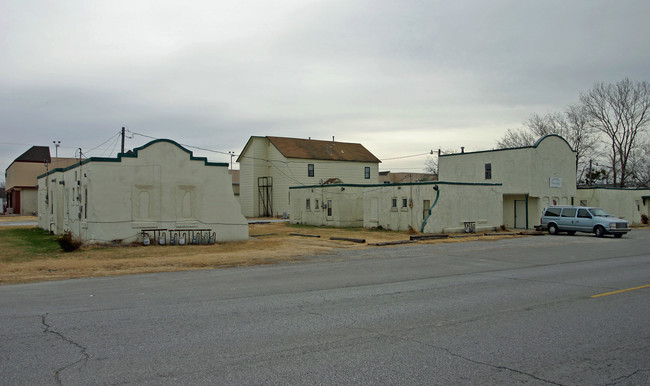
<point>322,150</point>
<point>35,154</point>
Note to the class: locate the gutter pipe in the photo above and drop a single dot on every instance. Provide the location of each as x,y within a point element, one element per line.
<point>424,223</point>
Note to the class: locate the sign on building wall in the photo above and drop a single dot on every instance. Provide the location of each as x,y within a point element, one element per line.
<point>555,182</point>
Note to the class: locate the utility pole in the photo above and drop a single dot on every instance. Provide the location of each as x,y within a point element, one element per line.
<point>122,139</point>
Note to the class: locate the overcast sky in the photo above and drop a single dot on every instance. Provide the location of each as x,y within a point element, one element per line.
<point>401,77</point>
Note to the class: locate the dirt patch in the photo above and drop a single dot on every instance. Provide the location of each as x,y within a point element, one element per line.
<point>269,244</point>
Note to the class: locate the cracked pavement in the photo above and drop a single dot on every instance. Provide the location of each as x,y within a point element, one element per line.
<point>514,311</point>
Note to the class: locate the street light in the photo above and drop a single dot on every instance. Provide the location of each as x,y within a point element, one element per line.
<point>56,145</point>
<point>232,154</point>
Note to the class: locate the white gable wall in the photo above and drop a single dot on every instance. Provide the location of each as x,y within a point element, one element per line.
<point>525,173</point>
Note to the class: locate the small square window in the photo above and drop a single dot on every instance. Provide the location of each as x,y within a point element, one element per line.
<point>310,170</point>
<point>488,171</point>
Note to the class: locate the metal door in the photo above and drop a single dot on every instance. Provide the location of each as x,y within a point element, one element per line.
<point>425,208</point>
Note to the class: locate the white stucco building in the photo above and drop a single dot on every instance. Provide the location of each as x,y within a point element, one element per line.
<point>159,186</point>
<point>270,165</point>
<point>533,177</point>
<point>625,203</point>
<point>429,207</point>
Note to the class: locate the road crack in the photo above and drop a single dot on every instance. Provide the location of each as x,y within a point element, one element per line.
<point>83,350</point>
<point>625,378</point>
<point>454,354</point>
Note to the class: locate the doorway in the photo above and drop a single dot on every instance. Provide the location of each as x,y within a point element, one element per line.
<point>521,221</point>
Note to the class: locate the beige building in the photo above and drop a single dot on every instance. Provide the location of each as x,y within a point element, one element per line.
<point>270,165</point>
<point>625,203</point>
<point>429,207</point>
<point>533,177</point>
<point>21,182</point>
<point>159,189</point>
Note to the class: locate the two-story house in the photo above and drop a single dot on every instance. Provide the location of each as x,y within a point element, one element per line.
<point>270,165</point>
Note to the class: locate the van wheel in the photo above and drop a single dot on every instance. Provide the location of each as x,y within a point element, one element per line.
<point>552,229</point>
<point>571,233</point>
<point>600,231</point>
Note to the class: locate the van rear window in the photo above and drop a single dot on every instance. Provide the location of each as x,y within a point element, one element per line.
<point>553,212</point>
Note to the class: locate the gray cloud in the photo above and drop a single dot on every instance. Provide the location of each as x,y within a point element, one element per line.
<point>399,77</point>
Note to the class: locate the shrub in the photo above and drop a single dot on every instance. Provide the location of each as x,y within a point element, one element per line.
<point>644,219</point>
<point>68,243</point>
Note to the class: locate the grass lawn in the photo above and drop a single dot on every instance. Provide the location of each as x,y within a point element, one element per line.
<point>28,254</point>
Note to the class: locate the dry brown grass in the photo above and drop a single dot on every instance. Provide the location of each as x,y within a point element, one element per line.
<point>274,244</point>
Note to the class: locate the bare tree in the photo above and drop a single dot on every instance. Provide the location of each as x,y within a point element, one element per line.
<point>572,125</point>
<point>640,165</point>
<point>516,138</point>
<point>622,112</point>
<point>431,165</point>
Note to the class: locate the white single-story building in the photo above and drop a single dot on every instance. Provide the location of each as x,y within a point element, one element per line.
<point>159,189</point>
<point>626,203</point>
<point>429,207</point>
<point>533,177</point>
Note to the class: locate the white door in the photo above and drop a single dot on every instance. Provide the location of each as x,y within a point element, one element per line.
<point>520,214</point>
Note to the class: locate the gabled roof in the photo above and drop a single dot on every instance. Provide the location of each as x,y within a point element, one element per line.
<point>319,150</point>
<point>39,154</point>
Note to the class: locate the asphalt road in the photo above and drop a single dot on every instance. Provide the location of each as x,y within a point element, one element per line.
<point>500,312</point>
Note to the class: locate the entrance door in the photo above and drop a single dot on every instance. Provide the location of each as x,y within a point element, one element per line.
<point>425,208</point>
<point>520,214</point>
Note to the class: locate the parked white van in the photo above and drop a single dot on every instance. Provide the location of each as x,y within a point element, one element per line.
<point>572,219</point>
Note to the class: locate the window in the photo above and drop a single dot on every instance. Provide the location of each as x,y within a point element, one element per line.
<point>569,212</point>
<point>329,208</point>
<point>316,207</point>
<point>583,213</point>
<point>405,202</point>
<point>310,170</point>
<point>308,206</point>
<point>553,212</point>
<point>393,203</point>
<point>488,171</point>
<point>366,172</point>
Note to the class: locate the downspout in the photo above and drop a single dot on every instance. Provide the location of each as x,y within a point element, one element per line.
<point>424,223</point>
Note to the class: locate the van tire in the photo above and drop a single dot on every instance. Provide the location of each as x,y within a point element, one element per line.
<point>552,229</point>
<point>600,231</point>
